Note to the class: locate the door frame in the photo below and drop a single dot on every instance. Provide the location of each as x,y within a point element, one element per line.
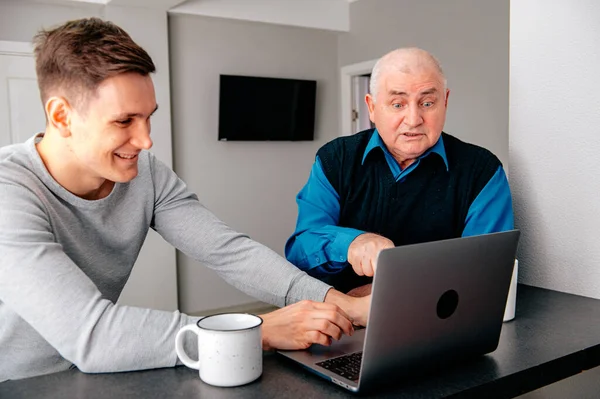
<point>20,49</point>
<point>346,74</point>
<point>16,48</point>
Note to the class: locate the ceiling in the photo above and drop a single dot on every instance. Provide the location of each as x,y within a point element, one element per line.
<point>319,14</point>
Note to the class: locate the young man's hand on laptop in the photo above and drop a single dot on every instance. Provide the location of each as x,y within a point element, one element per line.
<point>361,307</point>
<point>356,308</point>
<point>302,324</point>
<point>363,252</point>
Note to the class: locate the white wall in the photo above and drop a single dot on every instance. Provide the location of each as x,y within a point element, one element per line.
<point>250,185</point>
<point>153,281</point>
<point>470,37</point>
<point>554,142</point>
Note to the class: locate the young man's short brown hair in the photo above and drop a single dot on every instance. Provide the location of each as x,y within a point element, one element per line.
<point>74,58</point>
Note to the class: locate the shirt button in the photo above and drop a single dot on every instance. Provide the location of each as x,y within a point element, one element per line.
<point>342,258</point>
<point>318,259</point>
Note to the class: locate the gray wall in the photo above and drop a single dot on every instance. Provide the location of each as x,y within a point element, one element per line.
<point>19,21</point>
<point>252,186</point>
<point>554,142</point>
<point>249,185</point>
<point>153,282</point>
<point>470,37</point>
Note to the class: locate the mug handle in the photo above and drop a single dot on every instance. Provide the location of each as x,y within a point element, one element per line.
<point>185,359</point>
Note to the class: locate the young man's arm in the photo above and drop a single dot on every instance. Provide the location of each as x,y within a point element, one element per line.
<point>47,300</point>
<point>244,263</point>
<point>249,266</point>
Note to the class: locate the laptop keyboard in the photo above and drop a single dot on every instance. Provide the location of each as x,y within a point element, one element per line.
<point>347,366</point>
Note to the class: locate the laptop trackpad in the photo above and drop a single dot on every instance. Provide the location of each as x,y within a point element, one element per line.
<point>316,353</point>
<point>344,346</point>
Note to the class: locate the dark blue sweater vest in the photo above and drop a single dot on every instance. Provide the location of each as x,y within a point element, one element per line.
<point>430,204</point>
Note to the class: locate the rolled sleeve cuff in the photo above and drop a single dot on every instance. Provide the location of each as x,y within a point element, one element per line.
<point>306,287</point>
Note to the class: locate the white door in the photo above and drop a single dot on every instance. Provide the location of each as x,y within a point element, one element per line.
<point>21,111</point>
<point>152,283</point>
<point>360,111</point>
<point>354,85</point>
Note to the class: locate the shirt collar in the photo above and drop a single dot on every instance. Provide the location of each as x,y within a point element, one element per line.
<point>376,141</point>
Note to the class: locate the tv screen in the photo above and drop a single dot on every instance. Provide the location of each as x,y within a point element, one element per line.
<point>256,108</point>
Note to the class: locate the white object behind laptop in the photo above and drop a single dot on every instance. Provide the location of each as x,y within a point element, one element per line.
<point>511,301</point>
<point>431,303</point>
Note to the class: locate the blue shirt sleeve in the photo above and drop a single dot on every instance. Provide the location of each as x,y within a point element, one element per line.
<point>319,246</point>
<point>492,210</point>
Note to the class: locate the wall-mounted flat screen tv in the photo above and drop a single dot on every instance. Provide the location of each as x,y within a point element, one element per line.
<point>261,109</point>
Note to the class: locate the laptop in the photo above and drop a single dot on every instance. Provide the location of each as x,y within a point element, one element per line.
<point>432,304</point>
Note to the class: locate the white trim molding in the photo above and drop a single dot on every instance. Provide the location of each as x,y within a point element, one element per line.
<point>16,48</point>
<point>346,74</point>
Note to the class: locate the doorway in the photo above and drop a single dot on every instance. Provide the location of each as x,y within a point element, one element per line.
<point>354,85</point>
<point>360,110</point>
<point>21,111</point>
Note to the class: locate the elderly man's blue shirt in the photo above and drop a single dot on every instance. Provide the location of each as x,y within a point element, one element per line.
<point>322,248</point>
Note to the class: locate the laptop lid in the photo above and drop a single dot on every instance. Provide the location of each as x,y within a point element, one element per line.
<point>437,302</point>
<point>432,303</point>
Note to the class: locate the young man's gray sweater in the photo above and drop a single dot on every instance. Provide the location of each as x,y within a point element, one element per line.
<point>64,262</point>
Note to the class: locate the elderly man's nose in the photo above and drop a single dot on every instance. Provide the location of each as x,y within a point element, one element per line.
<point>413,116</point>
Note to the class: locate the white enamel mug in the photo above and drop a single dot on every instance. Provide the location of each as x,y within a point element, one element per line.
<point>511,300</point>
<point>229,348</point>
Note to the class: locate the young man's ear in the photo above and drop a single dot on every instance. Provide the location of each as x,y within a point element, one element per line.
<point>59,113</point>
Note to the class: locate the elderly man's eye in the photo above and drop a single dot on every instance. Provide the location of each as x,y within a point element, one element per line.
<point>396,105</point>
<point>428,104</point>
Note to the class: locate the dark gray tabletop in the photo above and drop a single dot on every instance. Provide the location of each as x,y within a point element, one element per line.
<point>585,385</point>
<point>553,336</point>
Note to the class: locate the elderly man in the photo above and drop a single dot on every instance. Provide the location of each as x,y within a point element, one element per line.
<point>77,202</point>
<point>403,182</point>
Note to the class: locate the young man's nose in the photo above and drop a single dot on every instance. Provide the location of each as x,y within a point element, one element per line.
<point>141,138</point>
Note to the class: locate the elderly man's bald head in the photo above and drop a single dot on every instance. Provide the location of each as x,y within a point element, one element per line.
<point>408,102</point>
<point>406,60</point>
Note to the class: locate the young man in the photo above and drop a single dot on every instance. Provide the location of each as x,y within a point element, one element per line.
<point>77,202</point>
